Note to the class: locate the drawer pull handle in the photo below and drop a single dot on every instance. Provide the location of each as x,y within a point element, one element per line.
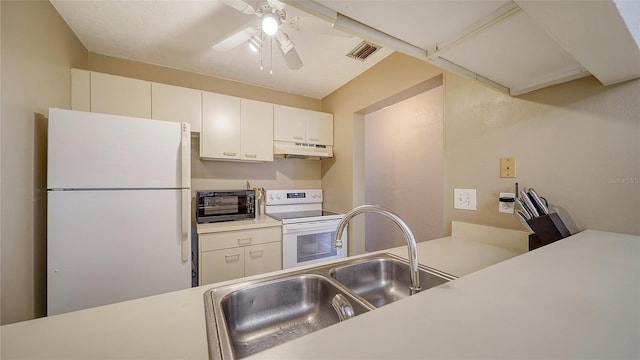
<point>231,257</point>
<point>314,139</point>
<point>251,155</point>
<point>226,153</point>
<point>297,138</point>
<point>244,241</point>
<point>257,253</point>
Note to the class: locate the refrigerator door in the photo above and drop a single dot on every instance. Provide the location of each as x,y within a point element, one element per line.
<point>96,151</point>
<point>107,246</point>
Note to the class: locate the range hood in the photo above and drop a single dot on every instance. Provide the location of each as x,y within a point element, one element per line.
<point>297,150</point>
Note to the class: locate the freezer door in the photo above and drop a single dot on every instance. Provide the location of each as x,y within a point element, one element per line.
<point>95,151</point>
<point>110,246</point>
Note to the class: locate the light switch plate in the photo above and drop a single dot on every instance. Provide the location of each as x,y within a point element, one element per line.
<point>464,199</point>
<point>508,167</point>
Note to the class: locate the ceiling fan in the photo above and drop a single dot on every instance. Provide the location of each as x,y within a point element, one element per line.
<point>271,15</point>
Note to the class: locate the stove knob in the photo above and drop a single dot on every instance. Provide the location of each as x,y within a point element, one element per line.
<point>278,196</point>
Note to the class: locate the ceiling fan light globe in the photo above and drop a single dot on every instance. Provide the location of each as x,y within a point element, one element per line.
<point>269,24</point>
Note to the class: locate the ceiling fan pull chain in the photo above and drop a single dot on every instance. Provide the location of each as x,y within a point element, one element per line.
<point>271,56</point>
<point>261,50</point>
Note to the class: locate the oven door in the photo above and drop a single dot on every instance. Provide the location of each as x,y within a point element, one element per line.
<point>308,243</point>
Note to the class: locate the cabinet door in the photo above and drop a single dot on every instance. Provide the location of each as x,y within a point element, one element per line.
<point>289,123</point>
<point>119,95</point>
<point>173,103</point>
<point>220,132</point>
<point>319,128</point>
<point>263,258</point>
<point>256,130</point>
<point>221,265</point>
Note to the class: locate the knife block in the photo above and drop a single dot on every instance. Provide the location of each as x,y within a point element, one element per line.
<point>547,229</point>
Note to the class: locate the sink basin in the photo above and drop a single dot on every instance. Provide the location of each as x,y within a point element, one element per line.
<point>248,317</point>
<point>384,280</point>
<point>259,316</point>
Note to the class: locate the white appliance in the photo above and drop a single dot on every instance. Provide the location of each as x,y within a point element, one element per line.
<point>287,149</point>
<point>118,209</point>
<point>307,229</point>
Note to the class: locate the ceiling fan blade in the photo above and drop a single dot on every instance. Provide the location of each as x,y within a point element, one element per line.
<point>278,5</point>
<point>292,59</point>
<point>287,48</point>
<point>235,39</point>
<point>241,6</point>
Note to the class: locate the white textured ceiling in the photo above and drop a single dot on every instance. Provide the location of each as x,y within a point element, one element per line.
<point>514,46</point>
<point>180,34</point>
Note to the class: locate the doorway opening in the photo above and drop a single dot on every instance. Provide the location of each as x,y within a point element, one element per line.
<point>403,164</point>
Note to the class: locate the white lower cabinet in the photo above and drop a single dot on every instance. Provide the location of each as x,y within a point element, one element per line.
<point>234,254</point>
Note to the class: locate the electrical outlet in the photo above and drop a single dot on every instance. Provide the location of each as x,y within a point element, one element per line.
<point>464,199</point>
<point>507,207</point>
<point>508,167</point>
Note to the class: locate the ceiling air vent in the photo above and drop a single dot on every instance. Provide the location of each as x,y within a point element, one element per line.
<point>363,50</point>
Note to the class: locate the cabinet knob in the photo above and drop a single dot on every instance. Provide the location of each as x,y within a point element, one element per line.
<point>229,153</point>
<point>251,155</point>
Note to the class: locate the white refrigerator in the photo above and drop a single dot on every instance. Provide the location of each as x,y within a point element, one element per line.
<point>118,209</point>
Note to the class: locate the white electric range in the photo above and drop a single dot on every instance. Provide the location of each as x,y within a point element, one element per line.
<point>307,229</point>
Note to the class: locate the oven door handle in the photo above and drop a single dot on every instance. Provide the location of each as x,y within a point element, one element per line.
<point>304,227</point>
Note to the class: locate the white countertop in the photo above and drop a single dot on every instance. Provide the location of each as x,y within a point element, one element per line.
<point>575,298</point>
<point>259,222</point>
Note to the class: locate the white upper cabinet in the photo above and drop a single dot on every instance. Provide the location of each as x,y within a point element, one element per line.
<point>319,127</point>
<point>220,132</point>
<point>301,125</point>
<point>174,103</point>
<point>236,129</point>
<point>119,95</point>
<point>289,124</point>
<point>256,130</point>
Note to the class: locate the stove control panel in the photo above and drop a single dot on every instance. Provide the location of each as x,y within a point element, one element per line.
<point>284,197</point>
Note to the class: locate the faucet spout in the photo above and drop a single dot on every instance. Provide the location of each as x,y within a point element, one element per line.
<point>343,307</point>
<point>408,236</point>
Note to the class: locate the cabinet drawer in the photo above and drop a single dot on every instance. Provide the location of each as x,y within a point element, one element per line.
<point>229,239</point>
<point>263,258</point>
<point>221,265</point>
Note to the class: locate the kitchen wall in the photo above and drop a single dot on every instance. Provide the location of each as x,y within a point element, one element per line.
<point>577,143</point>
<point>343,176</point>
<point>404,159</point>
<point>38,49</point>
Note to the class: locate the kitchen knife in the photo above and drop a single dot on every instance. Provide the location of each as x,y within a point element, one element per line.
<point>527,201</point>
<point>525,212</point>
<point>537,201</point>
<point>523,220</point>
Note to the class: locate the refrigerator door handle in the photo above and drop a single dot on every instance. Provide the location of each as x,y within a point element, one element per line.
<point>186,224</point>
<point>185,150</point>
<point>185,144</point>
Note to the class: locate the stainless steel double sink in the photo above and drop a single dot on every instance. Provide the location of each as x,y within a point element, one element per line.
<point>248,317</point>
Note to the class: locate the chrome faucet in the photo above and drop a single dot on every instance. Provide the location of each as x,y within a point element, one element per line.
<point>408,236</point>
<point>343,307</point>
